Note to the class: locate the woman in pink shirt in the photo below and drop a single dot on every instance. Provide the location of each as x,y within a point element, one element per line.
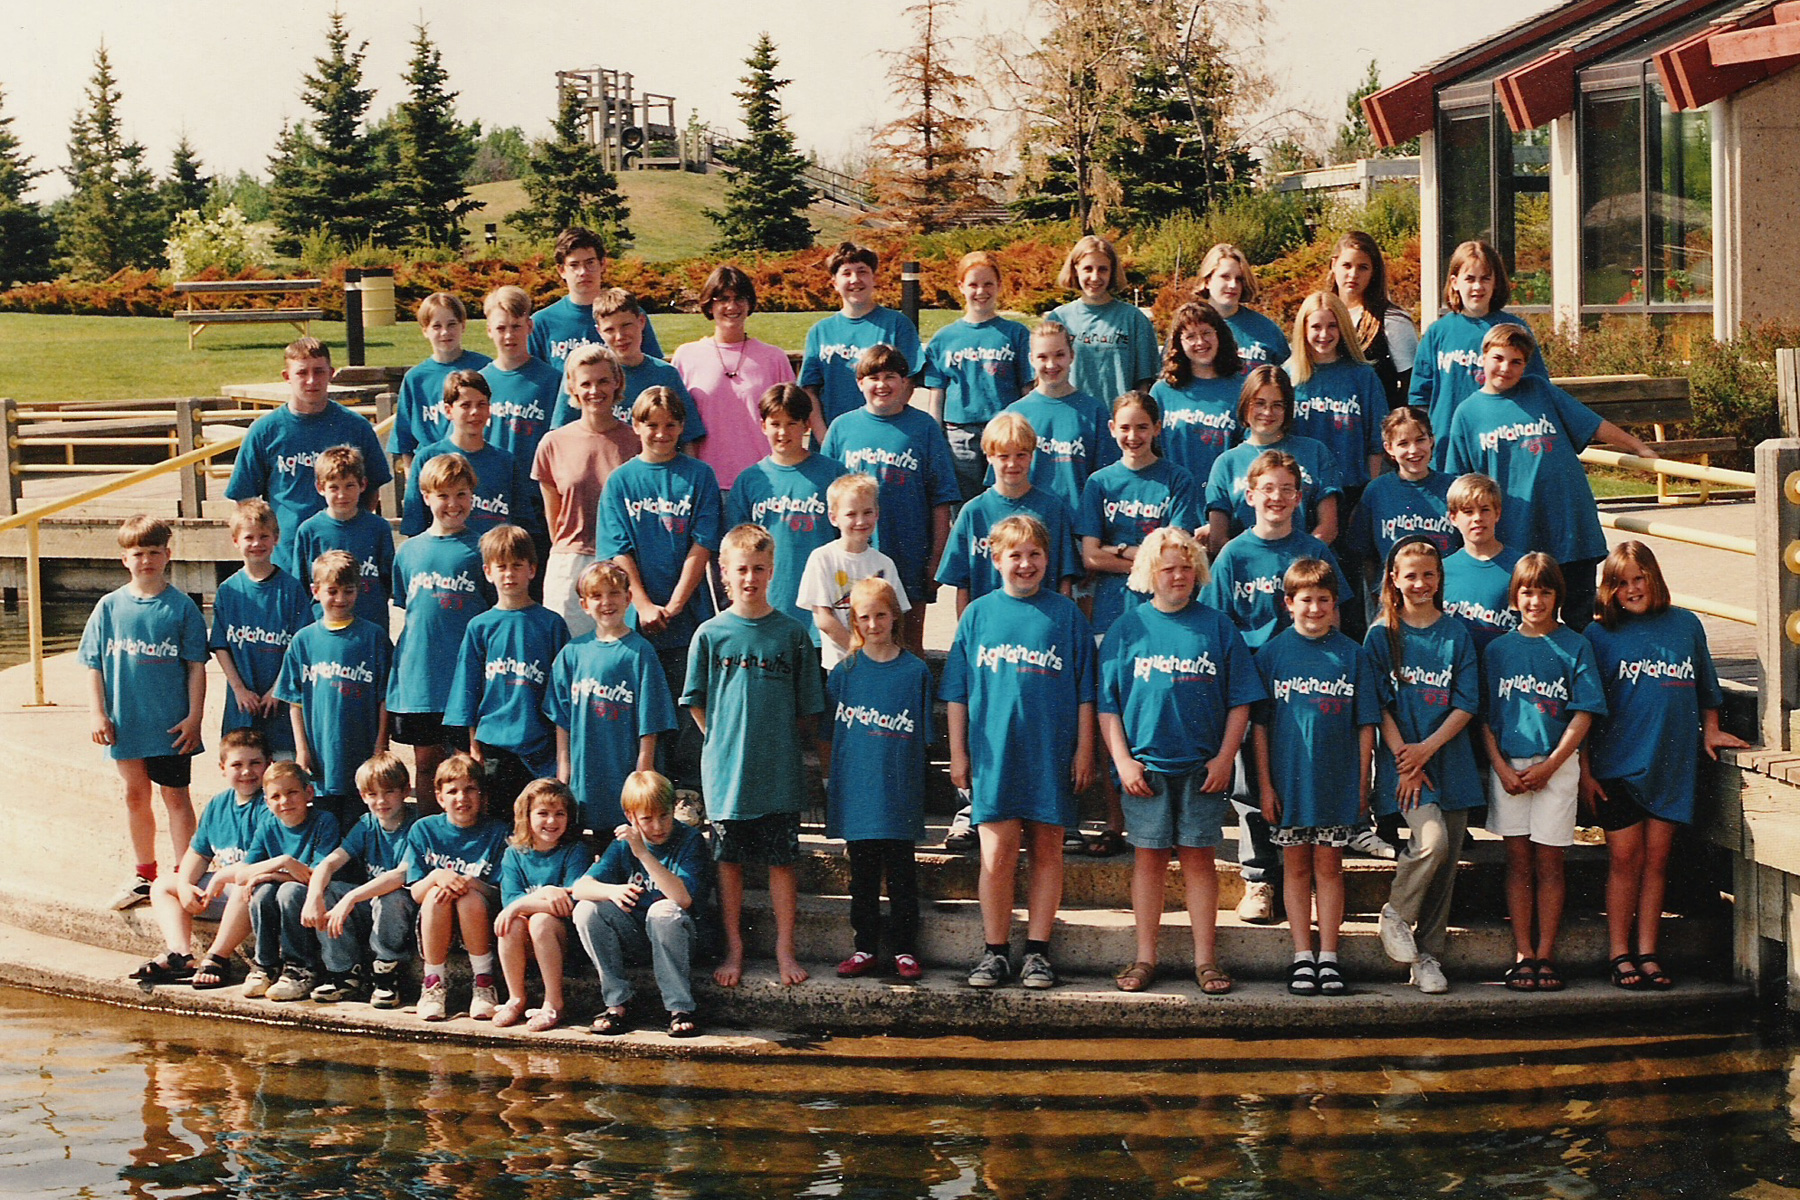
<point>727,375</point>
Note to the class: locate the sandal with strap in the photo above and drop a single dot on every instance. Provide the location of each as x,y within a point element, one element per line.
<point>1521,976</point>
<point>172,967</point>
<point>1108,843</point>
<point>1303,977</point>
<point>610,1023</point>
<point>1626,973</point>
<point>681,1025</point>
<point>1331,980</point>
<point>1212,979</point>
<point>1654,976</point>
<point>1136,977</point>
<point>1547,978</point>
<point>213,972</point>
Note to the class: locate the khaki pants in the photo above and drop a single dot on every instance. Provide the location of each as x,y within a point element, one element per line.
<point>1426,873</point>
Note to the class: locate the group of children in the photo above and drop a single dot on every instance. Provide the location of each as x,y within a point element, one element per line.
<point>1162,575</point>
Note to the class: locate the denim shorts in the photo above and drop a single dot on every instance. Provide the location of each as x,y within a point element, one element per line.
<point>772,839</point>
<point>1178,814</point>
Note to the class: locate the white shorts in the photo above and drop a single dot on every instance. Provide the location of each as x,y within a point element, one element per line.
<point>1546,816</point>
<point>562,571</point>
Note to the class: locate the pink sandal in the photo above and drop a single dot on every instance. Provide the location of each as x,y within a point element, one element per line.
<point>510,1013</point>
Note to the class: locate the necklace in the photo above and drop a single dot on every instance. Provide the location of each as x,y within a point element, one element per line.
<point>730,372</point>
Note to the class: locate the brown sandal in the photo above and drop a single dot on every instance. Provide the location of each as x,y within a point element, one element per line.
<point>1212,979</point>
<point>1136,977</point>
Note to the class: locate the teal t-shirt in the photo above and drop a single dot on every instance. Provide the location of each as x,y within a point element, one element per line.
<point>1439,673</point>
<point>789,502</point>
<point>1393,508</point>
<point>142,645</point>
<point>1322,691</point>
<point>1115,347</point>
<point>968,560</point>
<point>909,456</point>
<point>373,850</point>
<point>523,402</point>
<point>502,673</point>
<point>983,366</point>
<point>880,731</point>
<point>1172,679</point>
<point>1536,685</point>
<point>254,622</point>
<point>367,538</point>
<point>1121,507</point>
<point>1447,369</point>
<point>310,842</point>
<point>228,828</point>
<point>473,851</point>
<point>1246,581</point>
<point>505,493</point>
<point>438,581</point>
<point>419,416</point>
<point>657,513</point>
<point>1199,421</point>
<point>1342,405</point>
<point>1226,486</point>
<point>1073,441</point>
<point>339,677</point>
<point>1259,340</point>
<point>525,869</point>
<point>1475,592</point>
<point>834,344</point>
<point>275,461</point>
<point>608,695</point>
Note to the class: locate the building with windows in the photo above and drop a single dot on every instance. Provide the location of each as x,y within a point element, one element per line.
<point>1625,156</point>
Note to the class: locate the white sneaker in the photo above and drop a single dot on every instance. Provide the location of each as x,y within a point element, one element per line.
<point>296,983</point>
<point>133,892</point>
<point>1367,842</point>
<point>1258,903</point>
<point>1428,975</point>
<point>1397,936</point>
<point>256,983</point>
<point>484,1000</point>
<point>386,990</point>
<point>434,999</point>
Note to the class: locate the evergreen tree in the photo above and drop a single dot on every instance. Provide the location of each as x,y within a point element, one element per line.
<point>26,237</point>
<point>569,184</point>
<point>767,195</point>
<point>1172,151</point>
<point>325,176</point>
<point>1354,137</point>
<point>435,151</point>
<point>930,176</point>
<point>113,218</point>
<point>186,187</point>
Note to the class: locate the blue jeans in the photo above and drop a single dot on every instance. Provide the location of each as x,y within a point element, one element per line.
<point>279,936</point>
<point>385,924</point>
<point>612,937</point>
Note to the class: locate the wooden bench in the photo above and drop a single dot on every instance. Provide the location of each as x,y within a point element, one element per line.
<point>199,318</point>
<point>1656,401</point>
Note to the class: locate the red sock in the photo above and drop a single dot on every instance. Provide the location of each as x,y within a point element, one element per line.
<point>147,871</point>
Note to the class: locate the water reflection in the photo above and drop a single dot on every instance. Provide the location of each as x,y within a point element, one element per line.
<point>97,1102</point>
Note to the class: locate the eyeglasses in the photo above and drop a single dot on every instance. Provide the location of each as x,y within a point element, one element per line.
<point>1273,490</point>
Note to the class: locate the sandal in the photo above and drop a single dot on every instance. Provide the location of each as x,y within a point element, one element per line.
<point>172,967</point>
<point>1212,980</point>
<point>1303,977</point>
<point>609,1023</point>
<point>1331,980</point>
<point>1107,844</point>
<point>681,1025</point>
<point>1626,973</point>
<point>1073,842</point>
<point>510,1013</point>
<point>1654,976</point>
<point>1547,978</point>
<point>543,1020</point>
<point>1521,976</point>
<point>1136,977</point>
<point>213,972</point>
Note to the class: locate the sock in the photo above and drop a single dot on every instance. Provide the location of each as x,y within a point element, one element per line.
<point>434,971</point>
<point>1328,956</point>
<point>1305,956</point>
<point>147,872</point>
<point>1000,948</point>
<point>481,964</point>
<point>1036,947</point>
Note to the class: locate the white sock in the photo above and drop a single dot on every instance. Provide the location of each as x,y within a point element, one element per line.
<point>437,969</point>
<point>481,964</point>
<point>1328,956</point>
<point>1304,956</point>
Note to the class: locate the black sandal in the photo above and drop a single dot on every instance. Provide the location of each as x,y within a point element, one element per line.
<point>213,972</point>
<point>1626,973</point>
<point>681,1025</point>
<point>1658,979</point>
<point>172,967</point>
<point>1521,976</point>
<point>1303,977</point>
<point>1106,844</point>
<point>1547,978</point>
<point>1331,980</point>
<point>610,1023</point>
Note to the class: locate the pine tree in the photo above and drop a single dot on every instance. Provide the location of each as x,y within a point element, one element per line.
<point>26,237</point>
<point>929,175</point>
<point>113,219</point>
<point>325,174</point>
<point>569,184</point>
<point>435,151</point>
<point>767,195</point>
<point>1354,138</point>
<point>186,186</point>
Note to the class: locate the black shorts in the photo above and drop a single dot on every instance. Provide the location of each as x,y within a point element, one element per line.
<point>1618,806</point>
<point>425,729</point>
<point>170,770</point>
<point>773,840</point>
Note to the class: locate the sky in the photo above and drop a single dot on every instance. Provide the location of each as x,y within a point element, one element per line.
<point>228,72</point>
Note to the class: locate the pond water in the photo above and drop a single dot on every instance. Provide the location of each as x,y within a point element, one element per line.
<point>63,622</point>
<point>96,1101</point>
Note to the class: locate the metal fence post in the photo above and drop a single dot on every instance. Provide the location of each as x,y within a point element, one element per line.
<point>1778,591</point>
<point>188,438</point>
<point>10,454</point>
<point>909,292</point>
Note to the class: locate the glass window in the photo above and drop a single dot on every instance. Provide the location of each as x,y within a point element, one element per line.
<point>1680,225</point>
<point>1525,218</point>
<point>1612,197</point>
<point>1465,177</point>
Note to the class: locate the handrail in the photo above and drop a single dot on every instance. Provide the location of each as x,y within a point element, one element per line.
<point>1594,456</point>
<point>1678,533</point>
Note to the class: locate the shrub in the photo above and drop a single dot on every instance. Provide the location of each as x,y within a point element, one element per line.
<point>225,243</point>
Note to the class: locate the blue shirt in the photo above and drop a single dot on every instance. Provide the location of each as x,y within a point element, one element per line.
<point>835,343</point>
<point>968,560</point>
<point>1393,508</point>
<point>1439,673</point>
<point>1226,486</point>
<point>1172,679</point>
<point>310,842</point>
<point>1527,441</point>
<point>1121,507</point>
<point>502,673</point>
<point>521,408</point>
<point>1199,421</point>
<point>1658,675</point>
<point>275,461</point>
<point>473,851</point>
<point>1536,685</point>
<point>983,366</point>
<point>608,695</point>
<point>373,850</point>
<point>880,732</point>
<point>505,493</point>
<point>1322,691</point>
<point>657,512</point>
<point>1259,340</point>
<point>142,645</point>
<point>524,869</point>
<point>438,581</point>
<point>789,502</point>
<point>1073,442</point>
<point>684,855</point>
<point>1023,666</point>
<point>1342,406</point>
<point>228,827</point>
<point>562,327</point>
<point>1246,581</point>
<point>1447,369</point>
<point>254,622</point>
<point>419,416</point>
<point>1115,347</point>
<point>1476,590</point>
<point>367,538</point>
<point>757,679</point>
<point>909,456</point>
<point>339,679</point>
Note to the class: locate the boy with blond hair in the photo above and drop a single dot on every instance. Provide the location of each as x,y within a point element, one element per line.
<point>256,613</point>
<point>1478,577</point>
<point>621,323</point>
<point>145,653</point>
<point>346,525</point>
<point>853,503</point>
<point>1008,442</point>
<point>419,420</point>
<point>524,388</point>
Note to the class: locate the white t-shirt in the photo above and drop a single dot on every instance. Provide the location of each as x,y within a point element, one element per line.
<point>830,572</point>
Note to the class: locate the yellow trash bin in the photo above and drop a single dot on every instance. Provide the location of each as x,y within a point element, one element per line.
<point>377,296</point>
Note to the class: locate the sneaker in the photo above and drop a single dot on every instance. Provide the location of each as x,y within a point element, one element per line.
<point>136,891</point>
<point>434,999</point>
<point>335,988</point>
<point>257,982</point>
<point>857,965</point>
<point>1258,903</point>
<point>385,991</point>
<point>907,967</point>
<point>483,1000</point>
<point>1397,936</point>
<point>992,971</point>
<point>1428,975</point>
<point>1036,972</point>
<point>1366,841</point>
<point>961,837</point>
<point>296,983</point>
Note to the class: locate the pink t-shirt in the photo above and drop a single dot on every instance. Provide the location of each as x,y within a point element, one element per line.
<point>727,382</point>
<point>577,463</point>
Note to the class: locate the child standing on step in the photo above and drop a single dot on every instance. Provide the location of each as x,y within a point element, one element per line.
<point>544,859</point>
<point>1314,738</point>
<point>1429,677</point>
<point>256,613</point>
<point>452,868</point>
<point>879,701</point>
<point>1198,391</point>
<point>1543,692</point>
<point>345,525</point>
<point>1118,343</point>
